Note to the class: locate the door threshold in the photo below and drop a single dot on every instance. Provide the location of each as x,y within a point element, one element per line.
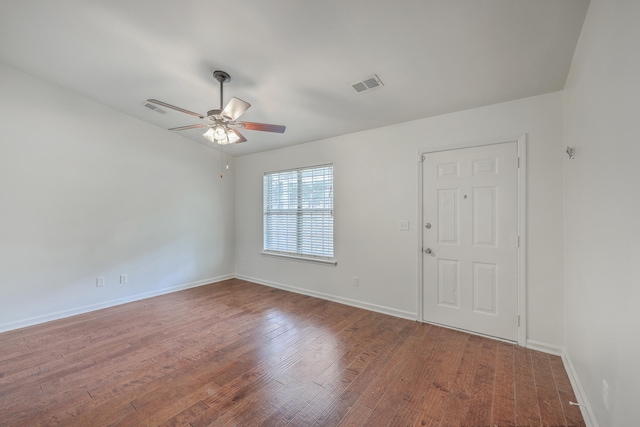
<point>504,340</point>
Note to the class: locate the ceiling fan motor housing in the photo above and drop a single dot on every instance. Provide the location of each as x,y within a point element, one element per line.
<point>214,113</point>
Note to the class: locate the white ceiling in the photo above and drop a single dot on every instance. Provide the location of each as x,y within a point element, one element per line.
<point>293,60</point>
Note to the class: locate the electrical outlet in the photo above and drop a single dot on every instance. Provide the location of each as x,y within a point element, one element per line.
<point>99,282</point>
<point>605,394</point>
<point>356,280</point>
<point>123,279</point>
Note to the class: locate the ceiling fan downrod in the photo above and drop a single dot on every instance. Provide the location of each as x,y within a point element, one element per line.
<point>222,77</point>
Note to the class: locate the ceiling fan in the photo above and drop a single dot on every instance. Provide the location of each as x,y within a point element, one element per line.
<point>223,123</point>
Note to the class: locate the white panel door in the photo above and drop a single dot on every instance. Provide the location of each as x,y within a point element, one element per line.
<point>470,239</point>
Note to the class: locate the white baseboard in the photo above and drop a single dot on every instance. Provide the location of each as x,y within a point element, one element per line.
<point>545,348</point>
<point>581,397</point>
<point>347,301</point>
<point>17,324</point>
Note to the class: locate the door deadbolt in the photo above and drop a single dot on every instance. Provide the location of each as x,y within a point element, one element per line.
<point>427,250</point>
<point>428,225</point>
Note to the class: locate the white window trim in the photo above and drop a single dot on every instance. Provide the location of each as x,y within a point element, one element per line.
<point>330,261</point>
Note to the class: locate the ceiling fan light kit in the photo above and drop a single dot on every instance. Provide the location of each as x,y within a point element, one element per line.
<point>221,135</point>
<point>223,122</point>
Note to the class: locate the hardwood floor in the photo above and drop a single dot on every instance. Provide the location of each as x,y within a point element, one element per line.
<point>240,354</point>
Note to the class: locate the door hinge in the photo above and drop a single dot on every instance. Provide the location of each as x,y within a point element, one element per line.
<point>518,241</point>
<point>518,162</point>
<point>421,159</point>
<point>518,320</point>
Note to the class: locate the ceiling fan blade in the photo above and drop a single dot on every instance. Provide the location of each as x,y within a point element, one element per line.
<point>173,107</point>
<point>190,126</point>
<point>262,126</point>
<point>234,109</point>
<point>239,135</point>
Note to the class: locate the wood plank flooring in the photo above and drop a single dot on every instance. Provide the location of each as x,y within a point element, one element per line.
<point>239,354</point>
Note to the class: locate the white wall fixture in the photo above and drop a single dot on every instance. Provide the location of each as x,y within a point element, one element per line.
<point>571,151</point>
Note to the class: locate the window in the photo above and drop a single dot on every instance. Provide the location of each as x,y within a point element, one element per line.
<point>298,213</point>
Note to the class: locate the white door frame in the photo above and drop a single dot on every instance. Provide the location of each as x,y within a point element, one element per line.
<point>522,222</point>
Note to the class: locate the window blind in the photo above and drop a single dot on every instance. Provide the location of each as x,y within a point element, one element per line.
<point>298,212</point>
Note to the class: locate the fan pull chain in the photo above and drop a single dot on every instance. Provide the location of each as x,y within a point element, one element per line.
<point>224,163</point>
<point>221,162</point>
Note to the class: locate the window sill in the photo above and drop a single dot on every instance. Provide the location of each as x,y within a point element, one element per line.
<point>330,262</point>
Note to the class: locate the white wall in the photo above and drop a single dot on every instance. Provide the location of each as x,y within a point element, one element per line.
<point>86,191</point>
<point>376,185</point>
<point>602,210</point>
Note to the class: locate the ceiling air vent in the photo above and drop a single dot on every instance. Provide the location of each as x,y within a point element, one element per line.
<point>367,84</point>
<point>154,108</point>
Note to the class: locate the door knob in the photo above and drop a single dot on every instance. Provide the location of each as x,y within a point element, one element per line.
<point>427,250</point>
